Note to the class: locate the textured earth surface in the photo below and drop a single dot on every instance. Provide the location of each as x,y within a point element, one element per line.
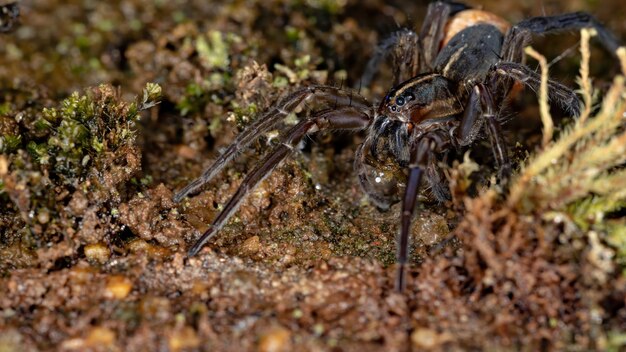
<point>93,249</point>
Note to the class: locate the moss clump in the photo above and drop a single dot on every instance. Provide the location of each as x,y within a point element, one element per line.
<point>67,159</point>
<point>84,127</point>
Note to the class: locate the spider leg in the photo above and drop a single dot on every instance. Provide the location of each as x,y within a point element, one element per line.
<point>498,144</point>
<point>480,110</point>
<point>347,118</point>
<point>437,181</point>
<point>420,159</point>
<point>403,46</point>
<point>519,36</point>
<point>264,123</point>
<point>410,55</point>
<point>562,95</point>
<point>432,31</point>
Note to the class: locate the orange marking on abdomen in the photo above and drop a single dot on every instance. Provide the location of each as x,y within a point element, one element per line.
<point>468,18</point>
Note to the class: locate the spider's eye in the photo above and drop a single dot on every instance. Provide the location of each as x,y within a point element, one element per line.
<point>400,101</point>
<point>393,108</point>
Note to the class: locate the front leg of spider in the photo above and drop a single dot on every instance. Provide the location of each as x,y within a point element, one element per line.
<point>419,159</point>
<point>267,121</point>
<point>480,112</point>
<point>346,118</point>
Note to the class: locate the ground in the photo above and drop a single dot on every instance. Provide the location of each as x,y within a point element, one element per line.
<point>108,108</point>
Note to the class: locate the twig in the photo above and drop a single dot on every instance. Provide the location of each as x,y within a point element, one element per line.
<point>621,53</point>
<point>546,118</point>
<point>585,81</point>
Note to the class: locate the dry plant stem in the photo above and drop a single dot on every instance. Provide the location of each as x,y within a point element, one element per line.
<point>585,82</point>
<point>598,130</point>
<point>621,54</point>
<point>607,118</point>
<point>546,118</point>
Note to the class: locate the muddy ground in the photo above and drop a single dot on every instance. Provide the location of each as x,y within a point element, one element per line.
<point>93,249</point>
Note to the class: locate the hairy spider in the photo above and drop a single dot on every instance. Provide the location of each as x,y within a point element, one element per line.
<point>450,84</point>
<point>9,13</point>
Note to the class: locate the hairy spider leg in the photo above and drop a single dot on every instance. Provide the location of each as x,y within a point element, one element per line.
<point>480,110</point>
<point>265,123</point>
<point>557,92</point>
<point>408,207</point>
<point>519,36</point>
<point>346,118</point>
<point>432,31</point>
<point>413,54</point>
<point>402,41</point>
<point>498,145</point>
<point>421,159</point>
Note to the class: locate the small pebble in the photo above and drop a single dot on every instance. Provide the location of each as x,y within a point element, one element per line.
<point>97,252</point>
<point>424,338</point>
<point>118,287</point>
<point>185,338</point>
<point>251,246</point>
<point>275,340</point>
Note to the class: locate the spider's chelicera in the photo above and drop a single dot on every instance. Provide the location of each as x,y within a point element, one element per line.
<point>450,84</point>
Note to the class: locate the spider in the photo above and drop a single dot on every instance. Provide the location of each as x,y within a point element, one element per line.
<point>450,83</point>
<point>9,14</point>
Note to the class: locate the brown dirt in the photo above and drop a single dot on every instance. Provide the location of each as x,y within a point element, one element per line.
<point>97,261</point>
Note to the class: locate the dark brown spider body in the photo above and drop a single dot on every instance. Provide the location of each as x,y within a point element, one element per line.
<point>9,15</point>
<point>443,98</point>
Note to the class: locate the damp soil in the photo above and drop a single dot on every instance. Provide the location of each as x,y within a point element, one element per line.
<point>93,249</point>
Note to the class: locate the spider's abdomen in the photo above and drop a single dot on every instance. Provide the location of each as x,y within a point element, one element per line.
<point>472,17</point>
<point>470,54</point>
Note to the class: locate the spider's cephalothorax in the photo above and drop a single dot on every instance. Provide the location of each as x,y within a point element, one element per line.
<point>451,82</point>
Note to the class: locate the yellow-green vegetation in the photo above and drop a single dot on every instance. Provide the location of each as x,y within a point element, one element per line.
<point>86,144</point>
<point>213,50</point>
<point>580,177</point>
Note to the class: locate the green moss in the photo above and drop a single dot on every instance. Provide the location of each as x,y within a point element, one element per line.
<point>5,108</point>
<point>10,143</point>
<point>616,231</point>
<point>213,51</point>
<point>39,152</point>
<point>78,140</point>
<point>193,101</point>
<point>243,114</point>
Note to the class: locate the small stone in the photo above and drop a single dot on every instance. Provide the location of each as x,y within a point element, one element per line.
<point>186,152</point>
<point>185,338</point>
<point>251,246</point>
<point>275,340</point>
<point>100,337</point>
<point>424,338</point>
<point>138,245</point>
<point>118,287</point>
<point>97,252</point>
<point>43,216</point>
